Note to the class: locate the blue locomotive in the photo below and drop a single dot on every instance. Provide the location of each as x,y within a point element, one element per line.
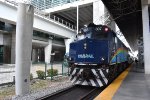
<point>98,57</point>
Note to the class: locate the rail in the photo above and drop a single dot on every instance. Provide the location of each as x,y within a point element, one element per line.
<point>57,92</point>
<point>92,94</point>
<point>74,93</point>
<point>42,14</point>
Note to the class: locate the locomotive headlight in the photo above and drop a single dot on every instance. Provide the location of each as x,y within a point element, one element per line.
<point>70,58</point>
<point>85,45</point>
<point>102,59</point>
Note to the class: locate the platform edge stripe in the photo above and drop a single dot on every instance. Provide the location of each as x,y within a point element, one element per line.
<point>110,91</point>
<point>103,76</point>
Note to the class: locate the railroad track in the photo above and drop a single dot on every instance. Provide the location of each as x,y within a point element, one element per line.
<point>74,93</point>
<point>77,92</point>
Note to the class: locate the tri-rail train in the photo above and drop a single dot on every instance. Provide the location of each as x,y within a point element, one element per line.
<point>98,57</point>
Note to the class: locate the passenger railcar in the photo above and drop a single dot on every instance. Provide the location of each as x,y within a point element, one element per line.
<point>98,57</point>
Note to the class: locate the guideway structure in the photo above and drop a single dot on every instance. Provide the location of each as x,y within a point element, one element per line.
<point>24,32</point>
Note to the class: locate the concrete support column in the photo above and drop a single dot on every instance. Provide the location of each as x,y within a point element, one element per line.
<point>1,39</point>
<point>35,55</point>
<point>24,32</point>
<point>13,47</point>
<point>77,19</point>
<point>146,36</point>
<point>67,43</point>
<point>98,11</point>
<point>48,50</point>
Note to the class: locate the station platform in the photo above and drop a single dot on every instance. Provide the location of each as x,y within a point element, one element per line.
<point>132,84</point>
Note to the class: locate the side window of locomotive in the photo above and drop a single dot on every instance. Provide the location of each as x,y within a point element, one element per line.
<point>80,36</point>
<point>114,43</point>
<point>86,32</point>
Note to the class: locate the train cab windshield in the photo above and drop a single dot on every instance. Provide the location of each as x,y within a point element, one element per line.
<point>96,32</point>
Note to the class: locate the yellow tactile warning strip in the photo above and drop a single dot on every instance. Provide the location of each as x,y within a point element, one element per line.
<point>109,92</point>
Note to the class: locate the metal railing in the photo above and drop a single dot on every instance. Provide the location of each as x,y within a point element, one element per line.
<point>7,77</point>
<point>42,14</point>
<point>50,70</point>
<point>7,71</point>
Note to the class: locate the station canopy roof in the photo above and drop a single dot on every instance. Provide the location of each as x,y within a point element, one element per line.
<point>128,16</point>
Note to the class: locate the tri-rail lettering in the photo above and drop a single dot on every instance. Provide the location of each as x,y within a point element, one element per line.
<point>85,56</point>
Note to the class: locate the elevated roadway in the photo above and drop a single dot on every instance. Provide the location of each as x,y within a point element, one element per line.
<point>43,24</point>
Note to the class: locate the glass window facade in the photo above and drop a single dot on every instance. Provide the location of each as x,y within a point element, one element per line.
<point>2,25</point>
<point>40,34</point>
